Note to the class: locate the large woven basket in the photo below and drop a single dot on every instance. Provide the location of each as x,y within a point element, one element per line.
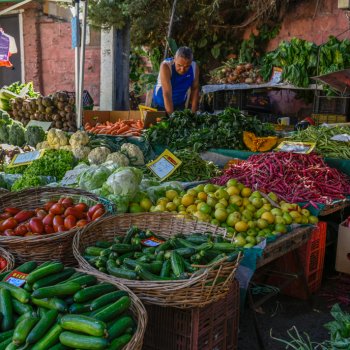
<point>9,258</point>
<point>137,309</point>
<point>56,246</point>
<point>208,285</point>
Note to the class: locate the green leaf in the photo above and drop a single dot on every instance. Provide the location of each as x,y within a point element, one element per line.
<point>215,51</point>
<point>202,43</point>
<point>172,45</point>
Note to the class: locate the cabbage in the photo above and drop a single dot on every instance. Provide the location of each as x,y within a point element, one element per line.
<point>121,203</point>
<point>110,165</point>
<point>93,177</point>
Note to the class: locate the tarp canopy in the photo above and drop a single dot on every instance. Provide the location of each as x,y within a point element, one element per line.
<point>339,80</point>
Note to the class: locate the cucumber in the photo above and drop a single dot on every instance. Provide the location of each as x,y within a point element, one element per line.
<point>164,246</point>
<point>5,343</point>
<point>22,330</point>
<point>108,298</point>
<point>110,312</point>
<point>119,261</point>
<point>160,256</point>
<point>197,239</point>
<point>113,256</point>
<point>31,314</point>
<point>105,252</point>
<point>44,324</point>
<point>206,246</point>
<point>6,335</point>
<point>130,233</point>
<point>225,247</point>
<point>185,252</point>
<point>103,244</point>
<point>153,267</point>
<point>44,271</point>
<point>20,308</point>
<point>54,279</point>
<point>119,343</point>
<point>189,268</point>
<point>51,303</point>
<point>49,339</point>
<point>95,251</point>
<point>77,308</point>
<point>149,276</point>
<point>3,275</point>
<point>113,270</point>
<point>232,256</point>
<point>119,327</point>
<point>177,263</point>
<point>148,250</point>
<point>27,267</point>
<point>41,311</point>
<point>79,341</point>
<point>84,324</point>
<point>18,293</point>
<point>68,288</point>
<point>93,292</point>
<point>166,268</point>
<point>7,320</point>
<point>28,287</point>
<point>124,248</point>
<point>59,346</point>
<point>84,280</point>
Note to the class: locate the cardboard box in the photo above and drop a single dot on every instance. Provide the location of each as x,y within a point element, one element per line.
<point>342,262</point>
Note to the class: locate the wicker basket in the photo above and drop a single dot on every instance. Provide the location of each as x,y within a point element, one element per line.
<point>57,246</point>
<point>9,258</point>
<point>201,289</point>
<point>137,309</point>
<point>3,191</point>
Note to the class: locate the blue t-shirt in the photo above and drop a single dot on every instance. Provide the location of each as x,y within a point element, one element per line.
<point>179,83</point>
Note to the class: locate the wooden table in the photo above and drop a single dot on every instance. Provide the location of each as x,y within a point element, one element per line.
<point>332,208</point>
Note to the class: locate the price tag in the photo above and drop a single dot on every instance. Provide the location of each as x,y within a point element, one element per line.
<point>296,147</point>
<point>71,176</point>
<point>164,165</point>
<point>45,125</point>
<point>26,158</point>
<point>152,242</point>
<point>16,278</point>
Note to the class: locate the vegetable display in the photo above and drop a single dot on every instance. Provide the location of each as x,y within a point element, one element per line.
<point>54,216</point>
<point>34,134</point>
<point>259,144</point>
<point>131,257</point>
<point>293,177</point>
<point>121,127</point>
<point>3,264</point>
<point>60,308</point>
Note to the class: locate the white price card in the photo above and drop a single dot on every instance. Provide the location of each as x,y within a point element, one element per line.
<point>164,165</point>
<point>71,177</point>
<point>25,158</point>
<point>45,125</point>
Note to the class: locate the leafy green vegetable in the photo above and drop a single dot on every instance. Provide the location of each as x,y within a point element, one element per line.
<point>28,181</point>
<point>93,177</point>
<point>16,134</point>
<point>34,134</point>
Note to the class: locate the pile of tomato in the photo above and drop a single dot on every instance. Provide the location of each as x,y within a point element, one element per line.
<point>3,264</point>
<point>62,215</point>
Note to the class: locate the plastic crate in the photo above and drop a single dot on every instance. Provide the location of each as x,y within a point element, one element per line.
<point>331,105</point>
<point>226,98</point>
<point>328,118</point>
<point>214,326</point>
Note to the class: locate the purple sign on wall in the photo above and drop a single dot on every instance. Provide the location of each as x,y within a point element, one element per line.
<point>4,47</point>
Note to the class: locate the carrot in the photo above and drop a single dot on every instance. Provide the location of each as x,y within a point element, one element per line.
<point>123,130</point>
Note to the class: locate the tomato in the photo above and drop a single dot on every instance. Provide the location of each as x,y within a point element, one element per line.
<point>60,228</point>
<point>49,229</point>
<point>48,219</point>
<point>97,214</point>
<point>82,223</point>
<point>9,232</point>
<point>81,207</point>
<point>67,202</point>
<point>29,233</point>
<point>8,224</point>
<point>36,225</point>
<point>3,263</point>
<point>24,215</point>
<point>21,230</point>
<point>41,213</point>
<point>69,222</point>
<point>57,221</point>
<point>5,216</point>
<point>48,205</point>
<point>57,209</point>
<point>92,210</point>
<point>12,211</point>
<point>72,211</point>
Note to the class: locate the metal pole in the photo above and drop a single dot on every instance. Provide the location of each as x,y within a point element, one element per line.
<point>76,63</point>
<point>82,63</point>
<point>170,28</point>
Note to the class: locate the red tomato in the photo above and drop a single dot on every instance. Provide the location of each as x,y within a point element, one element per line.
<point>92,210</point>
<point>67,202</point>
<point>3,263</point>
<point>48,205</point>
<point>41,213</point>
<point>29,233</point>
<point>8,224</point>
<point>36,225</point>
<point>21,230</point>
<point>49,229</point>
<point>82,223</point>
<point>97,214</point>
<point>57,221</point>
<point>69,222</point>
<point>60,228</point>
<point>9,232</point>
<point>12,211</point>
<point>81,207</point>
<point>76,213</point>
<point>57,209</point>
<point>5,216</point>
<point>48,219</point>
<point>24,215</point>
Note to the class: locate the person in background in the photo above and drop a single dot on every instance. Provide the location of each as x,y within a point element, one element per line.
<point>176,76</point>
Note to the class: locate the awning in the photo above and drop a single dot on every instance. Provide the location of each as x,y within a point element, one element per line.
<point>339,80</point>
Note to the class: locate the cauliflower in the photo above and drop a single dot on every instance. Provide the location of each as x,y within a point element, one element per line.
<point>57,138</point>
<point>118,158</point>
<point>43,145</point>
<point>67,148</point>
<point>98,155</point>
<point>81,152</point>
<point>80,138</point>
<point>134,153</point>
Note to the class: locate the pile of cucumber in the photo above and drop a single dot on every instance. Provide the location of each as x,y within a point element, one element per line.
<point>131,257</point>
<point>60,308</point>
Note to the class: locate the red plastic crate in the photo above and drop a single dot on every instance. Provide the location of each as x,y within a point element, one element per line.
<point>214,326</point>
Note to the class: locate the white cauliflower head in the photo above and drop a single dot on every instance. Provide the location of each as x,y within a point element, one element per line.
<point>134,153</point>
<point>57,138</point>
<point>118,158</point>
<point>43,145</point>
<point>98,155</point>
<point>81,152</point>
<point>79,138</point>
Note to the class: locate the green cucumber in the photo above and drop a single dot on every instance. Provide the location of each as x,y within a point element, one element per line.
<point>7,320</point>
<point>22,330</point>
<point>54,279</point>
<point>42,272</point>
<point>108,298</point>
<point>197,239</point>
<point>177,263</point>
<point>206,246</point>
<point>105,252</point>
<point>6,335</point>
<point>119,343</point>
<point>49,339</point>
<point>68,288</point>
<point>59,346</point>
<point>3,275</point>
<point>5,343</point>
<point>103,244</point>
<point>84,324</point>
<point>45,323</point>
<point>124,248</point>
<point>232,256</point>
<point>113,256</point>
<point>119,261</point>
<point>79,341</point>
<point>153,267</point>
<point>20,308</point>
<point>93,251</point>
<point>146,258</point>
<point>78,308</point>
<point>164,246</point>
<point>28,287</point>
<point>110,312</point>
<point>51,303</point>
<point>148,250</point>
<point>149,276</point>
<point>119,327</point>
<point>189,268</point>
<point>84,280</point>
<point>27,267</point>
<point>93,292</point>
<point>225,247</point>
<point>160,256</point>
<point>166,268</point>
<point>130,233</point>
<point>217,258</point>
<point>185,252</point>
<point>18,293</point>
<point>24,316</point>
<point>113,270</point>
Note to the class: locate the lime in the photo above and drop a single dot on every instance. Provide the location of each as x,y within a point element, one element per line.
<point>231,182</point>
<point>211,201</point>
<point>246,192</point>
<point>171,194</point>
<point>232,190</point>
<point>313,219</point>
<point>159,207</point>
<point>187,200</point>
<point>268,217</point>
<point>261,223</point>
<point>236,199</point>
<point>199,188</point>
<point>205,208</point>
<point>209,188</point>
<point>202,196</point>
<point>221,194</point>
<point>146,204</point>
<point>215,222</point>
<point>241,226</point>
<point>248,245</point>
<point>170,206</point>
<point>220,214</point>
<point>257,202</point>
<point>135,208</point>
<point>239,241</point>
<point>281,228</point>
